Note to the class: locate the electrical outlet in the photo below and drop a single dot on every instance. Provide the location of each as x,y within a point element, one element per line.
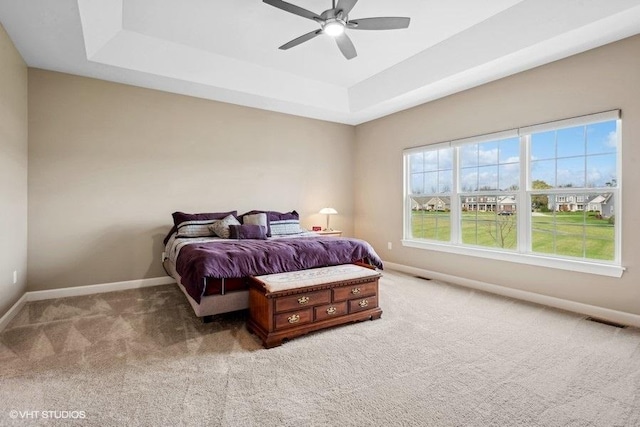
<point>15,277</point>
<point>389,245</point>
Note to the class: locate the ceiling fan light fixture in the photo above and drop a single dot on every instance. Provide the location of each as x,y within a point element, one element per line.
<point>333,27</point>
<point>335,21</point>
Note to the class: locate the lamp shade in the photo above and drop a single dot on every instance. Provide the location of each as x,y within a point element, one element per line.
<point>328,211</point>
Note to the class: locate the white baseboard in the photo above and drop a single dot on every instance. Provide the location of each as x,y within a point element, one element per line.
<point>576,307</point>
<point>15,308</point>
<point>79,291</point>
<point>97,289</point>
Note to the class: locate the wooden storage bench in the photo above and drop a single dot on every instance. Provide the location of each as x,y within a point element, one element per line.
<point>287,305</point>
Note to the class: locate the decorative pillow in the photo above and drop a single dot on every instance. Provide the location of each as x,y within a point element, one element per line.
<point>257,219</point>
<point>284,224</point>
<point>221,226</point>
<point>271,216</point>
<point>196,225</point>
<point>248,231</point>
<point>285,227</point>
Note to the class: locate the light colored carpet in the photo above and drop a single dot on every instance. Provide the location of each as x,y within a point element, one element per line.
<point>441,355</point>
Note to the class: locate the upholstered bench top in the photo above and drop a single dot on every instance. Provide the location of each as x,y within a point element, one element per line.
<point>313,277</point>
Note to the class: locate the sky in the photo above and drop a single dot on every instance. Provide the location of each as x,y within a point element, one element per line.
<point>581,156</point>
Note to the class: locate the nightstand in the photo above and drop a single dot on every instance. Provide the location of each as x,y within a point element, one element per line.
<point>336,233</point>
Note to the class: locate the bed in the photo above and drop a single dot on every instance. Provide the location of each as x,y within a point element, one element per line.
<point>212,268</point>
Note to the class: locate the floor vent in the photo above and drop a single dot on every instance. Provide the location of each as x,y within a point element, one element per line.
<point>421,277</point>
<point>606,322</point>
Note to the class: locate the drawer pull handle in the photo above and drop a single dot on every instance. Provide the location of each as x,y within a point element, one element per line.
<point>303,300</point>
<point>355,291</point>
<point>363,303</point>
<point>293,318</point>
<point>331,310</point>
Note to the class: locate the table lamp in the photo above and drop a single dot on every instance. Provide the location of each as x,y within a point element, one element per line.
<point>328,212</point>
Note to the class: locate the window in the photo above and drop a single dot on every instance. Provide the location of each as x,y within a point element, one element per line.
<point>430,186</point>
<point>545,195</point>
<point>489,173</point>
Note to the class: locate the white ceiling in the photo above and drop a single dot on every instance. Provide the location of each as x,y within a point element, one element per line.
<point>228,50</point>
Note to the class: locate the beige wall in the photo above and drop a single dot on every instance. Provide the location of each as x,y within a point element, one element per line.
<point>109,163</point>
<point>598,80</point>
<point>13,173</point>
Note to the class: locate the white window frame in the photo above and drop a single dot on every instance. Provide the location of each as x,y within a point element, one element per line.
<point>522,254</point>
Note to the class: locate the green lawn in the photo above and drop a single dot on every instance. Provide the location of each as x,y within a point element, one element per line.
<point>565,233</point>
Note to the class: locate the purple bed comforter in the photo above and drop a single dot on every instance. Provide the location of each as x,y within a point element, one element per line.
<point>243,258</point>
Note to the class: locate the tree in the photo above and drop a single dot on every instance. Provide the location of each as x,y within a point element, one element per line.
<point>505,225</point>
<point>540,201</point>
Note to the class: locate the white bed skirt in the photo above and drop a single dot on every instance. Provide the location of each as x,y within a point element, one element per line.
<point>211,304</point>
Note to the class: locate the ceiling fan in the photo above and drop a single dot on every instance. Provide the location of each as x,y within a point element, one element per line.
<point>335,21</point>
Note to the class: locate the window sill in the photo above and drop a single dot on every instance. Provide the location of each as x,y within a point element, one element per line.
<point>601,269</point>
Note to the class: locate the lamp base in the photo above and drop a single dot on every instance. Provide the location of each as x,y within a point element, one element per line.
<point>327,227</point>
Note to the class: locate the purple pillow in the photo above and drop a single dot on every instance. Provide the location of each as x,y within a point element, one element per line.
<point>247,231</point>
<point>180,217</point>
<point>195,225</point>
<point>278,216</point>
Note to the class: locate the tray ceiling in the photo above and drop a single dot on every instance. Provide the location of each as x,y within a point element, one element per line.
<point>228,50</point>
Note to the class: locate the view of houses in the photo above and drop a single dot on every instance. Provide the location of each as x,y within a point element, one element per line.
<point>603,204</point>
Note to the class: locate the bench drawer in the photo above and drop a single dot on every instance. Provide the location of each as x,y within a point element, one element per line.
<point>298,301</point>
<point>293,318</point>
<point>362,304</point>
<point>330,310</point>
<point>361,290</point>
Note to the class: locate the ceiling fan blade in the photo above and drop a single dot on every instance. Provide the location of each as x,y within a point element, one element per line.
<point>292,8</point>
<point>389,23</point>
<point>346,46</point>
<point>303,38</point>
<point>346,5</point>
